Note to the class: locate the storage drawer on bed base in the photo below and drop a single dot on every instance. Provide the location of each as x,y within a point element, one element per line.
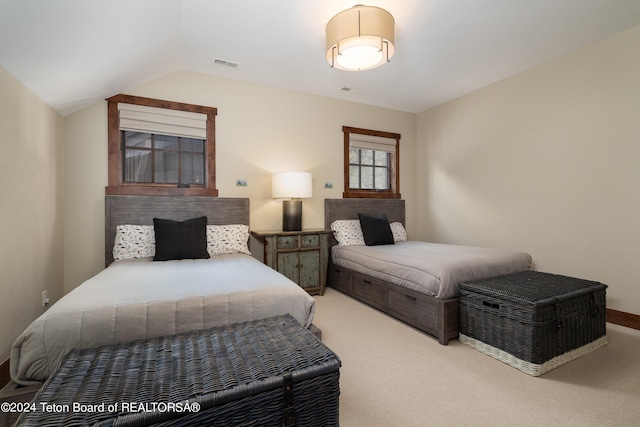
<point>413,308</point>
<point>369,290</point>
<point>338,278</point>
<point>435,317</point>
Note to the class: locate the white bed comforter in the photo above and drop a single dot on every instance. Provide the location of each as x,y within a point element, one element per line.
<point>136,299</point>
<point>430,268</point>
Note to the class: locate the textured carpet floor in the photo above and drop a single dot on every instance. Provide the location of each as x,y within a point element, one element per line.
<point>394,375</point>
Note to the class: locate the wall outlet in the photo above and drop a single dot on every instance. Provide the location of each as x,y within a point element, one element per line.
<point>45,299</point>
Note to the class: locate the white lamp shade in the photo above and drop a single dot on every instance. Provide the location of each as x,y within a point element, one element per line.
<point>291,185</point>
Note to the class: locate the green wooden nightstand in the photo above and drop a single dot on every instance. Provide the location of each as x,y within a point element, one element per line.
<point>302,256</point>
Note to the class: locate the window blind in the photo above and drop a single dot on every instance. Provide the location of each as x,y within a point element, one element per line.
<point>370,142</point>
<point>164,121</point>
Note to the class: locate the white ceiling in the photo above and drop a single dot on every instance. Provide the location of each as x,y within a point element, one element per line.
<point>72,53</point>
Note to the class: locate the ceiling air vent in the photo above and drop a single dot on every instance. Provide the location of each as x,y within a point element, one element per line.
<point>225,63</point>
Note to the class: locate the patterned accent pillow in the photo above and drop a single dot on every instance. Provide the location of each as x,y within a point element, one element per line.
<point>348,232</point>
<point>228,239</point>
<point>134,241</point>
<point>399,233</point>
<point>139,241</point>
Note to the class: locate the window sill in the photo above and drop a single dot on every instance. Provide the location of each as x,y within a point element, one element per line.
<point>159,191</point>
<point>370,195</point>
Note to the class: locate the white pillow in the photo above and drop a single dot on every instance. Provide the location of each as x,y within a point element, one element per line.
<point>348,232</point>
<point>139,241</point>
<point>398,231</point>
<point>227,239</point>
<point>134,241</point>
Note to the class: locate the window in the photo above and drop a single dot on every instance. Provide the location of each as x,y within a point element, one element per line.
<point>371,163</point>
<point>162,159</point>
<point>369,169</point>
<point>160,147</point>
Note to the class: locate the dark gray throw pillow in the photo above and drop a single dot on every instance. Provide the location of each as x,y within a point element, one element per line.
<point>376,229</point>
<point>180,239</point>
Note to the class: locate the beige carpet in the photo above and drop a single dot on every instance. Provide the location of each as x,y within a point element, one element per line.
<point>394,375</point>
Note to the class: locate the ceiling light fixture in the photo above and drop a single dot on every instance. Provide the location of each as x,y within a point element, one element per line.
<point>360,38</point>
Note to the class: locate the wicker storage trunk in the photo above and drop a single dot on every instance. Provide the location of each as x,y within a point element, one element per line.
<point>262,373</point>
<point>533,321</point>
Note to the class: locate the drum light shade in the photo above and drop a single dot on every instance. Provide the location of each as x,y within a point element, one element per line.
<point>360,38</point>
<point>291,185</point>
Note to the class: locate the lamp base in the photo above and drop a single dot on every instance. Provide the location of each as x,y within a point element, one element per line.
<point>292,215</point>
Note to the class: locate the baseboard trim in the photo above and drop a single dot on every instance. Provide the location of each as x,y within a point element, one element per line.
<point>624,319</point>
<point>5,376</point>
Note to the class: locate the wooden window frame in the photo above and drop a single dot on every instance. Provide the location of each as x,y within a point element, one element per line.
<point>115,181</point>
<point>394,167</point>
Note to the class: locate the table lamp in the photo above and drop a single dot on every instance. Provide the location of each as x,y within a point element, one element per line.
<point>291,186</point>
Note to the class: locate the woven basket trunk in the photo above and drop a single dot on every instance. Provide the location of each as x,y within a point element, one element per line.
<point>237,375</point>
<point>533,316</point>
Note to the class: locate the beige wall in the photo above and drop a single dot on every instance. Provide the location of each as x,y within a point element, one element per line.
<point>85,180</point>
<point>31,185</point>
<point>546,162</point>
<point>259,130</point>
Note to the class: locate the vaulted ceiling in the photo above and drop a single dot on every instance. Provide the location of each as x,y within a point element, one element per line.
<point>72,53</point>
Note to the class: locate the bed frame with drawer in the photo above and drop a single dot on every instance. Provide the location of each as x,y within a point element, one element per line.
<point>438,318</point>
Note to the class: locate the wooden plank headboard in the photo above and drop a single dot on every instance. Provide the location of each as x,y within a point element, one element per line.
<point>142,209</point>
<point>349,208</point>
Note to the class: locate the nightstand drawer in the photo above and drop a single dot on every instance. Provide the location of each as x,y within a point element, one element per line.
<point>287,242</point>
<point>310,241</point>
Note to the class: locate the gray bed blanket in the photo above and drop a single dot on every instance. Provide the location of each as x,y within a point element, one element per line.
<point>430,268</point>
<point>137,299</point>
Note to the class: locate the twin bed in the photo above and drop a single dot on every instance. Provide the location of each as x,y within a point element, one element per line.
<point>416,282</point>
<point>137,298</point>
